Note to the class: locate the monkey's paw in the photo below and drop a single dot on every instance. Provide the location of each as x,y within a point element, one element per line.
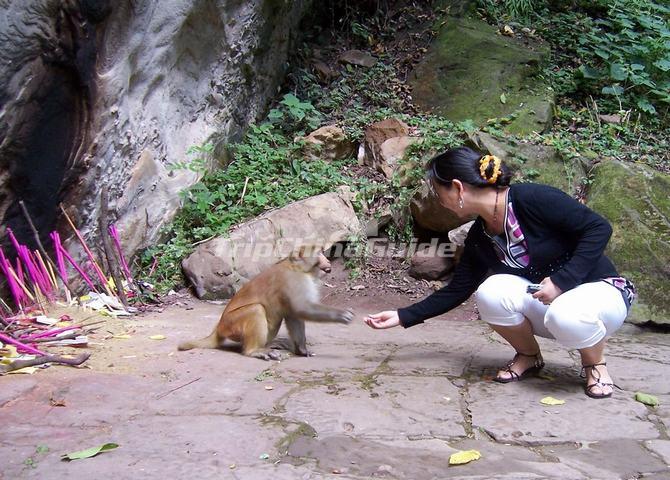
<point>303,352</point>
<point>275,355</point>
<point>267,355</point>
<point>345,316</point>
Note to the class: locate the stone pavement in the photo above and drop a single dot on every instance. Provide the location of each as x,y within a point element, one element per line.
<point>370,404</point>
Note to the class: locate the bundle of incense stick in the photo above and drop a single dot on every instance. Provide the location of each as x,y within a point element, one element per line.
<point>32,279</point>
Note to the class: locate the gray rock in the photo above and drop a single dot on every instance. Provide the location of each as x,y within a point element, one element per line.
<point>358,57</point>
<point>219,267</point>
<point>373,408</point>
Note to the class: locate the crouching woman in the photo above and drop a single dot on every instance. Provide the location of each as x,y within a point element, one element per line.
<point>526,234</point>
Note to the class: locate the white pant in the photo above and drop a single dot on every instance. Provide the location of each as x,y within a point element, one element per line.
<point>578,318</point>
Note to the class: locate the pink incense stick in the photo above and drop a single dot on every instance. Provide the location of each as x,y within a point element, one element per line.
<point>60,262</point>
<point>45,273</point>
<point>19,270</point>
<point>34,271</point>
<point>20,346</point>
<point>113,232</point>
<point>78,269</point>
<point>24,254</point>
<point>91,258</point>
<point>15,290</point>
<point>49,333</point>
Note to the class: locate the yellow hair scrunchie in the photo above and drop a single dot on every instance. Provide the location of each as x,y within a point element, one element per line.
<point>484,164</point>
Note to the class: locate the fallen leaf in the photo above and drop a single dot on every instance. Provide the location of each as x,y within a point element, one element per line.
<point>26,370</point>
<point>464,456</point>
<point>57,402</point>
<point>122,336</point>
<point>551,401</point>
<point>9,351</point>
<point>647,399</point>
<point>89,452</point>
<point>503,98</point>
<point>157,337</point>
<point>507,30</point>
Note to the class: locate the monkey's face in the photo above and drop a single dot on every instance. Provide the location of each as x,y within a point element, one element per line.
<point>312,260</point>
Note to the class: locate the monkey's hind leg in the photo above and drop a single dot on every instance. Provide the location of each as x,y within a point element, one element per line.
<point>255,334</point>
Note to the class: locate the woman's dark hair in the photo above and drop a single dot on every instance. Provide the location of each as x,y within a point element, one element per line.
<point>464,164</point>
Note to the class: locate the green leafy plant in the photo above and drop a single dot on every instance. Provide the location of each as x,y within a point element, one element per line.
<point>509,9</point>
<point>199,163</point>
<point>293,115</point>
<point>627,54</point>
<point>267,172</point>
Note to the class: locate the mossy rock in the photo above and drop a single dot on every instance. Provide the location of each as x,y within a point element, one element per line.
<point>532,163</point>
<point>469,66</point>
<point>636,200</point>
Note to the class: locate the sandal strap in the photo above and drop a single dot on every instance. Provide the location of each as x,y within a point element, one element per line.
<point>512,373</point>
<point>539,363</point>
<point>600,384</point>
<point>582,373</point>
<point>594,372</point>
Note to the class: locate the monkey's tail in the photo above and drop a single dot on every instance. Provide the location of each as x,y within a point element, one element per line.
<point>212,341</point>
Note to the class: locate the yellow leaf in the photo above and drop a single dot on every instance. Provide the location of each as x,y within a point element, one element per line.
<point>551,401</point>
<point>464,456</point>
<point>9,351</point>
<point>28,370</point>
<point>157,337</point>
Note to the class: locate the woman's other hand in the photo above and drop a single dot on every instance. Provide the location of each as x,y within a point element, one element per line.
<point>387,319</point>
<point>548,292</point>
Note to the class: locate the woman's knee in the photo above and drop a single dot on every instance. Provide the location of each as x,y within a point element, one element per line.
<point>497,300</point>
<point>573,327</point>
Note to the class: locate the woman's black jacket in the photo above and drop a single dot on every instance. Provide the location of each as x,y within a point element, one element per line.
<point>565,241</point>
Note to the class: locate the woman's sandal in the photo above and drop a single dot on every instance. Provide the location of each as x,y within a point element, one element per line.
<point>515,377</point>
<point>596,374</point>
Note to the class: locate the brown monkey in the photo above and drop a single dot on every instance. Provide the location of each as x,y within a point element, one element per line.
<point>287,291</point>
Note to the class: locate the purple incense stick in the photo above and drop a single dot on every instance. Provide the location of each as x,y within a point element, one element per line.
<point>113,232</point>
<point>19,345</point>
<point>15,290</point>
<point>78,269</point>
<point>60,262</point>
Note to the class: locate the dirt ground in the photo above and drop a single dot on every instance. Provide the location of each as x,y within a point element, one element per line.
<point>370,404</point>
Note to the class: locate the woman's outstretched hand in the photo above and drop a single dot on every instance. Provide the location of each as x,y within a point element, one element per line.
<point>387,319</point>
